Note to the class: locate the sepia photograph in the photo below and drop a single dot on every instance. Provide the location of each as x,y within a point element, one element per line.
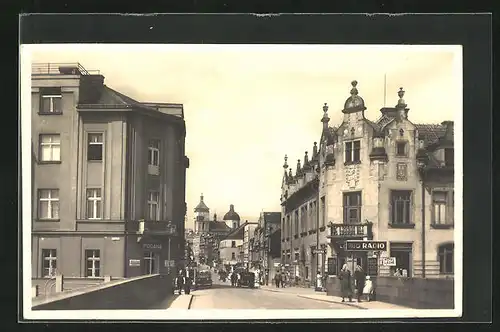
<point>195,182</point>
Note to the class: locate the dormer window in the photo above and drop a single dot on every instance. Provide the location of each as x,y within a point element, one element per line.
<point>401,149</point>
<point>353,151</point>
<point>449,157</point>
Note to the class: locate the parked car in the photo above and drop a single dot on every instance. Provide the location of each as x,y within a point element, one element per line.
<point>203,280</point>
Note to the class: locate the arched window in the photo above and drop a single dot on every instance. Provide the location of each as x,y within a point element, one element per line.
<point>445,252</point>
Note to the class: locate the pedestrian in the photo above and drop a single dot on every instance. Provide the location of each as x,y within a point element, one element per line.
<point>277,279</point>
<point>187,285</point>
<point>179,282</point>
<point>359,279</point>
<point>319,281</point>
<point>368,289</point>
<point>267,277</point>
<point>345,283</point>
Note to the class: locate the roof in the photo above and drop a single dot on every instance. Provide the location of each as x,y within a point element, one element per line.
<point>112,99</point>
<point>237,234</point>
<point>431,132</point>
<point>218,226</point>
<point>201,207</point>
<point>272,217</point>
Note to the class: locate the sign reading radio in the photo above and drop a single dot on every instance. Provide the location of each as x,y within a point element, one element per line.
<point>366,245</point>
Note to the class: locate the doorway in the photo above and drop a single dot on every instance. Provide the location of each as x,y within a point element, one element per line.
<point>352,260</point>
<point>150,263</point>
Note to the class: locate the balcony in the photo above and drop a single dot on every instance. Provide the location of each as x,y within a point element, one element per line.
<point>145,227</point>
<point>347,231</point>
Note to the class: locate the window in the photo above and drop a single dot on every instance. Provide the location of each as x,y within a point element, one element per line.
<point>352,207</point>
<point>51,101</point>
<point>288,226</point>
<point>445,253</point>
<point>233,244</point>
<point>93,261</point>
<point>49,262</point>
<point>402,252</point>
<point>94,204</point>
<point>50,147</point>
<point>234,224</point>
<point>439,199</point>
<point>150,263</point>
<point>95,147</point>
<point>401,207</point>
<point>449,156</point>
<point>154,157</point>
<point>352,152</point>
<point>233,256</point>
<point>48,204</point>
<point>323,212</point>
<point>296,222</point>
<point>401,149</point>
<point>303,218</point>
<point>153,206</point>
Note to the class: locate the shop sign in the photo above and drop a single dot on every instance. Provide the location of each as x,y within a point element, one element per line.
<point>134,262</point>
<point>169,263</point>
<point>388,261</point>
<point>366,245</point>
<point>151,245</point>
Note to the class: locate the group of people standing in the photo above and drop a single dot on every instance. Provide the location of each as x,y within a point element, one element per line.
<point>183,282</point>
<point>281,279</point>
<point>358,283</point>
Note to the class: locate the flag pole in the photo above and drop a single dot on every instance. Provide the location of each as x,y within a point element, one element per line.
<point>385,88</point>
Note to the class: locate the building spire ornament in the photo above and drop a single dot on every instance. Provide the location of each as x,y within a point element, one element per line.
<point>354,90</point>
<point>325,119</point>
<point>315,149</point>
<point>306,159</point>
<point>298,167</point>
<point>402,110</point>
<point>285,165</point>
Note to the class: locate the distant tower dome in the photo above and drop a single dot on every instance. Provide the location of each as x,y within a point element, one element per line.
<point>231,215</point>
<point>201,207</point>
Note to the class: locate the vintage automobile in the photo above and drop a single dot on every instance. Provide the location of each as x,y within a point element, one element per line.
<point>247,279</point>
<point>203,279</point>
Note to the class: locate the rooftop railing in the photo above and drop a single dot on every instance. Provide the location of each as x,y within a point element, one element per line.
<point>74,68</point>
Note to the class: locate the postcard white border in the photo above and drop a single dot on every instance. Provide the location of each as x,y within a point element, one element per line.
<point>171,314</point>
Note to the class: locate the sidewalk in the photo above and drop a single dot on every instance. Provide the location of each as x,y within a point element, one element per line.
<point>310,293</point>
<point>182,302</point>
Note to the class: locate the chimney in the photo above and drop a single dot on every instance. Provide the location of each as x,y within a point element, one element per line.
<point>449,129</point>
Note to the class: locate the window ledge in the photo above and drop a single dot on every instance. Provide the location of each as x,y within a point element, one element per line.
<point>94,161</point>
<point>402,226</point>
<point>347,163</point>
<point>50,113</point>
<point>47,220</point>
<point>439,226</point>
<point>48,162</point>
<point>401,156</point>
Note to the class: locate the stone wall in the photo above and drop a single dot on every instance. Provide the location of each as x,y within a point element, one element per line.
<point>145,292</point>
<point>415,293</point>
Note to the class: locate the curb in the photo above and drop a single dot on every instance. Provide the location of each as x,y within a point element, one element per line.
<point>336,302</point>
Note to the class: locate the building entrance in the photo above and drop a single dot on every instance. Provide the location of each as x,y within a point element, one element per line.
<point>352,260</point>
<point>151,263</point>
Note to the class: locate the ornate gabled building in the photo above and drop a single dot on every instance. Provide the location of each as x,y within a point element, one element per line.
<point>389,180</point>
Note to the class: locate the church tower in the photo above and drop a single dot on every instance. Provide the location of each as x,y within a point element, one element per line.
<point>202,217</point>
<point>231,218</point>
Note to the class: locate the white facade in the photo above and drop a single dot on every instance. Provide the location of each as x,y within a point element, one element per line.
<point>248,234</point>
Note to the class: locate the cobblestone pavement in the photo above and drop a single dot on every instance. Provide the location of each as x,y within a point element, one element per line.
<point>223,296</point>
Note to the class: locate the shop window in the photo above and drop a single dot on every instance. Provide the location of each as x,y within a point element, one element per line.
<point>403,254</point>
<point>445,253</point>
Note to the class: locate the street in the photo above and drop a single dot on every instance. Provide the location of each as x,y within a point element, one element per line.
<point>223,296</point>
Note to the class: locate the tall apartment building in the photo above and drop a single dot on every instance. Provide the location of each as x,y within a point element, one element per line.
<point>391,180</point>
<point>109,178</point>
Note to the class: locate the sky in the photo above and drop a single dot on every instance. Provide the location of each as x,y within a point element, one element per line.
<point>246,106</point>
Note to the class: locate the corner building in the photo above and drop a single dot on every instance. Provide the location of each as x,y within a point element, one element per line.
<point>109,178</point>
<point>390,180</point>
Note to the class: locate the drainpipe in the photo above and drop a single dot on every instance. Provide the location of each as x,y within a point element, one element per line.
<point>318,205</point>
<point>423,225</point>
